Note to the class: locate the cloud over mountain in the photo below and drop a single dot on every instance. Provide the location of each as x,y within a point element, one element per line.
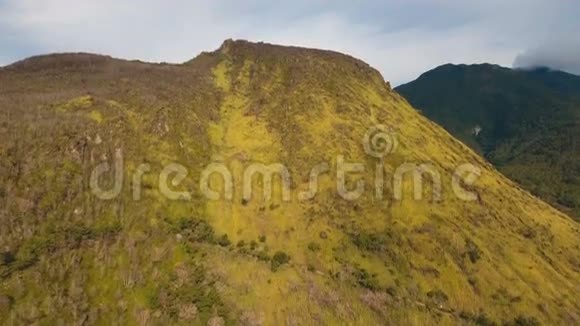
<point>401,38</point>
<point>559,55</point>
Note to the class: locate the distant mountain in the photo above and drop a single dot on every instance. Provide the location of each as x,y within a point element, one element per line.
<point>104,218</point>
<point>526,122</point>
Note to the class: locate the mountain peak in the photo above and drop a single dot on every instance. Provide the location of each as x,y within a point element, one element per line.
<point>521,114</point>
<point>59,61</point>
<point>296,56</point>
<point>466,67</point>
<point>322,247</point>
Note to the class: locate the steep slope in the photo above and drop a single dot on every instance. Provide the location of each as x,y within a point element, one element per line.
<point>71,257</point>
<point>527,123</point>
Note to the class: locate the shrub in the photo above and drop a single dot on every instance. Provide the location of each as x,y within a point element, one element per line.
<point>280,258</point>
<point>528,233</point>
<point>152,298</point>
<point>195,230</point>
<point>375,242</point>
<point>437,296</point>
<point>524,321</point>
<point>263,256</point>
<point>199,290</point>
<point>366,280</point>
<point>483,320</point>
<point>313,246</point>
<point>17,265</point>
<point>6,258</point>
<point>479,320</point>
<point>224,241</point>
<point>473,251</point>
<point>6,303</point>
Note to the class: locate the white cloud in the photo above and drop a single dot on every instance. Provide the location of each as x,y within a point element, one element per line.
<point>400,38</point>
<point>401,55</point>
<point>554,54</point>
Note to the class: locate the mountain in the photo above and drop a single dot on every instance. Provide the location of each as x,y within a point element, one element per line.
<point>526,122</point>
<point>107,217</point>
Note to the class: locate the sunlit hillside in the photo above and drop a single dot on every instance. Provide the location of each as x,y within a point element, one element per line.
<point>71,257</point>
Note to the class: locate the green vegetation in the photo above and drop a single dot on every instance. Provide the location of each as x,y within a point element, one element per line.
<point>479,320</point>
<point>523,321</point>
<point>224,241</point>
<point>472,251</point>
<point>484,320</point>
<point>313,246</point>
<point>527,123</point>
<point>61,238</point>
<point>198,292</point>
<point>372,241</point>
<point>437,296</point>
<point>280,258</point>
<point>366,280</point>
<point>195,230</point>
<point>68,257</point>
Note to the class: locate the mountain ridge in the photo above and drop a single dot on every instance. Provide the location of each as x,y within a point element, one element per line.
<point>504,257</point>
<point>525,121</point>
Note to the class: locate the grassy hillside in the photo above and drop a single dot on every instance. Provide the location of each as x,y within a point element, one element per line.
<point>527,123</point>
<point>70,257</point>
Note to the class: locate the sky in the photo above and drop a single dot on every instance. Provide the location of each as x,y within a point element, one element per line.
<point>401,38</point>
